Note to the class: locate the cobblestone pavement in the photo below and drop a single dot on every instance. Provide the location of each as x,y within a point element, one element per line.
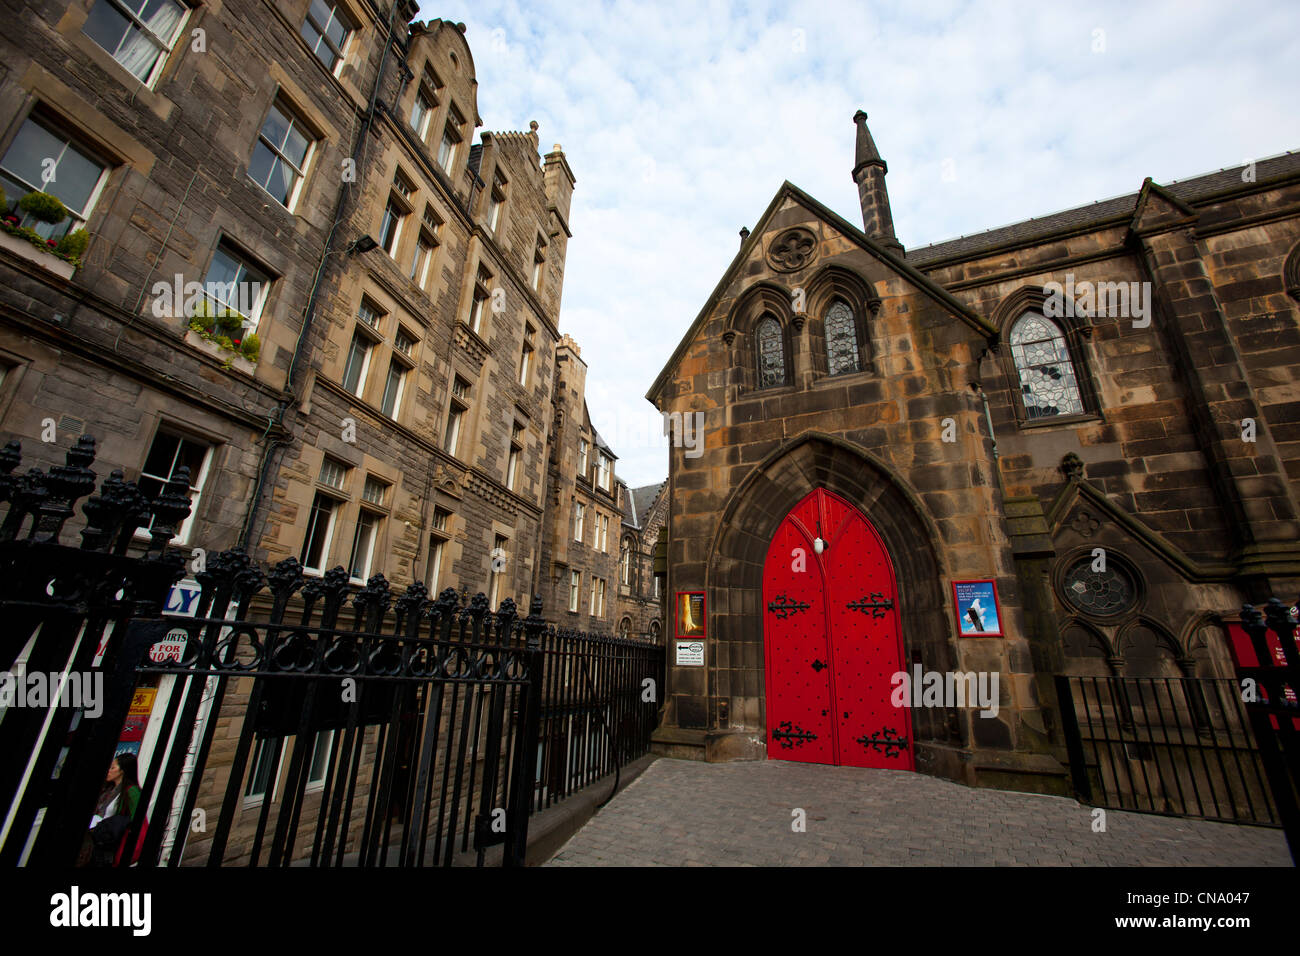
<point>689,813</point>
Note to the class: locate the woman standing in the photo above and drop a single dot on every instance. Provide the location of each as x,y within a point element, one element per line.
<point>114,810</point>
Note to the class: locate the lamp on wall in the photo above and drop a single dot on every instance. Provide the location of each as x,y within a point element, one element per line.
<point>361,244</point>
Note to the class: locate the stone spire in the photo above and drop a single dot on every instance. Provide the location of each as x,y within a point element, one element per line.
<point>869,173</point>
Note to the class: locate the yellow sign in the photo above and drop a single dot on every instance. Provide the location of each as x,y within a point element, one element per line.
<point>142,702</point>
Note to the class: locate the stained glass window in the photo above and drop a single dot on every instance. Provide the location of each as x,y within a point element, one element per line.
<point>1103,593</point>
<point>841,339</point>
<point>771,354</point>
<point>1047,380</point>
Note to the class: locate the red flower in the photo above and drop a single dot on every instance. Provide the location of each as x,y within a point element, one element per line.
<point>51,242</point>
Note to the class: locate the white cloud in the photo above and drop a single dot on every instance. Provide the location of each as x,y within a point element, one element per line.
<point>681,120</point>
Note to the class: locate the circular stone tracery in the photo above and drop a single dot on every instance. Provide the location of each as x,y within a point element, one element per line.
<point>792,250</point>
<point>1101,593</point>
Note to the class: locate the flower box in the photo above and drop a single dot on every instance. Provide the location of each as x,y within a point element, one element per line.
<point>47,260</point>
<point>229,359</point>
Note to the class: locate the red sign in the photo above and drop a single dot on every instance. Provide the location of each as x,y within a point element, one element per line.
<point>832,641</point>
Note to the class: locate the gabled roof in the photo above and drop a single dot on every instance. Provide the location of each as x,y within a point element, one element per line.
<point>1118,210</point>
<point>790,191</point>
<point>645,497</point>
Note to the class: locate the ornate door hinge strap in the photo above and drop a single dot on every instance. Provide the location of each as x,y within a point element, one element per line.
<point>877,605</point>
<point>887,740</point>
<point>783,607</point>
<point>791,736</point>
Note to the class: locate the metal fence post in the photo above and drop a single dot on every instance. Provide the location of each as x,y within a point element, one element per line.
<point>516,848</point>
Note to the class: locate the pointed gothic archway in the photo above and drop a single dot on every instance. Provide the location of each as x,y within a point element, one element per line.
<point>750,519</point>
<point>832,641</point>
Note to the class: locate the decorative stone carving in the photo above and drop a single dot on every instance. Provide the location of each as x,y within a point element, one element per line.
<point>1085,524</point>
<point>792,250</point>
<point>1072,467</point>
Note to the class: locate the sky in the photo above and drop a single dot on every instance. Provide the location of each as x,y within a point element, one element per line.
<point>681,121</point>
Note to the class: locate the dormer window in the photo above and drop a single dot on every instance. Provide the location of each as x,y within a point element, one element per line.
<point>497,201</point>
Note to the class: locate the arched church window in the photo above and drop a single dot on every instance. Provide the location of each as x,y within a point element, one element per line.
<point>771,353</point>
<point>841,339</point>
<point>1048,382</point>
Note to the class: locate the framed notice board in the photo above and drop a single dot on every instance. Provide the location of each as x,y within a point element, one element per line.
<point>978,613</point>
<point>691,621</point>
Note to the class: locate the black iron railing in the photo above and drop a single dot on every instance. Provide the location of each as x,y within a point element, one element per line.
<point>307,736</point>
<point>1175,746</point>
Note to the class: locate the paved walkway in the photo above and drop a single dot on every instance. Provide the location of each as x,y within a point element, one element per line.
<point>688,813</point>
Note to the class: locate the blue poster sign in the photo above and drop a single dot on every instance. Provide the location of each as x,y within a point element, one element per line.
<point>978,614</point>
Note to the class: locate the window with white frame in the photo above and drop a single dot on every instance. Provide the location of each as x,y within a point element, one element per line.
<point>582,458</point>
<point>363,545</point>
<point>496,200</point>
<point>320,520</point>
<point>370,314</point>
<point>358,363</point>
<point>602,533</point>
<point>280,154</point>
<point>579,517</point>
<point>451,137</point>
<point>516,449</point>
<point>234,288</point>
<point>422,110</point>
<point>479,305</point>
<point>266,768</point>
<point>139,34</point>
<point>602,470</point>
<point>597,604</point>
<point>44,159</point>
<point>437,544</point>
<point>167,455</point>
<point>625,563</point>
<point>375,491</point>
<point>390,227</point>
<point>499,545</point>
<point>326,31</point>
<point>539,264</point>
<point>526,355</point>
<point>575,589</point>
<point>455,415</point>
<point>391,402</point>
<point>321,749</point>
<point>423,257</point>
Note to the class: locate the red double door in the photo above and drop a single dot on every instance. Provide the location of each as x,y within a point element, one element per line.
<point>832,641</point>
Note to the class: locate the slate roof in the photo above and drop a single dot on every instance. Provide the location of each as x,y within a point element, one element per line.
<point>643,499</point>
<point>1082,217</point>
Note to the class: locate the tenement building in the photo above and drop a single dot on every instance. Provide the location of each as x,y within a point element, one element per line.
<point>640,589</point>
<point>263,242</point>
<point>1071,445</point>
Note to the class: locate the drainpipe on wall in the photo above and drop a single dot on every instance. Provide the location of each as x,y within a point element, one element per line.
<point>309,313</point>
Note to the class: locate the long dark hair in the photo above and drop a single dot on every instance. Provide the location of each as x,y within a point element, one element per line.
<point>126,762</point>
<point>130,771</point>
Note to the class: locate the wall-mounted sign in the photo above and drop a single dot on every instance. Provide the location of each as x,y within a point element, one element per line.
<point>978,614</point>
<point>690,653</point>
<point>690,614</point>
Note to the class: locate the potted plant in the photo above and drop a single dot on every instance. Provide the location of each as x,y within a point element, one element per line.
<point>44,207</point>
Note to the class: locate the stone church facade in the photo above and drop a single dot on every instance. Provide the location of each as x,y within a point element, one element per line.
<point>889,432</point>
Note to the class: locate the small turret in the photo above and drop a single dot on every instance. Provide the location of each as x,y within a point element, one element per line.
<point>869,173</point>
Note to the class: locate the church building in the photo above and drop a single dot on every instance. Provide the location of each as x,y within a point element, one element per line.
<point>1066,446</point>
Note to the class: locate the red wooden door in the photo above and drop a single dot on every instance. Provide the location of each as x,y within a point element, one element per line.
<point>832,641</point>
